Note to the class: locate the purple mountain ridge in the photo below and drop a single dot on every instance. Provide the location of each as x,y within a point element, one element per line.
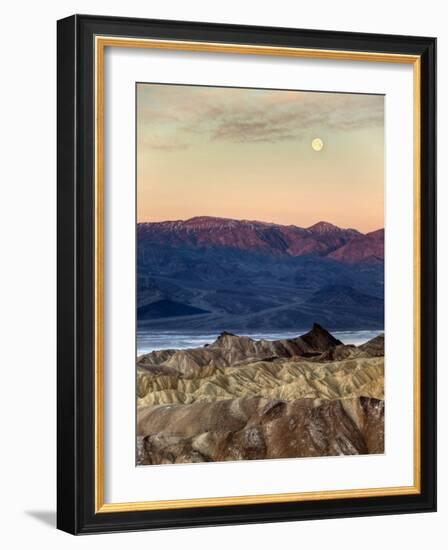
<point>321,239</point>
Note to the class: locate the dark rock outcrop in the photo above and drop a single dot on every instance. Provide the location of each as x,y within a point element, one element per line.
<point>318,339</point>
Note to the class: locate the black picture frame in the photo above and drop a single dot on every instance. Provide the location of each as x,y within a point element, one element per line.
<point>76,271</point>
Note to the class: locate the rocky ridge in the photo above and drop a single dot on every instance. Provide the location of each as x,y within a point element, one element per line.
<point>240,398</point>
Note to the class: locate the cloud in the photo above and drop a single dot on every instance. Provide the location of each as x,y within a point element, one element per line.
<point>237,115</point>
<point>250,131</point>
<point>164,143</point>
<point>169,146</point>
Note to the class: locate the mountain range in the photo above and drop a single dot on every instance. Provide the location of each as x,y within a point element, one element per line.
<point>214,274</point>
<point>321,239</point>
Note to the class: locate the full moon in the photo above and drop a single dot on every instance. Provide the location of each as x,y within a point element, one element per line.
<point>317,144</point>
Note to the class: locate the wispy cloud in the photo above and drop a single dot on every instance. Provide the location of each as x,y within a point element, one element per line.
<point>169,147</point>
<point>165,143</point>
<point>247,116</point>
<point>250,131</point>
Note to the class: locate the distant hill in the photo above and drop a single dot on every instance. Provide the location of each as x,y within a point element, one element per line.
<point>367,248</point>
<point>342,295</point>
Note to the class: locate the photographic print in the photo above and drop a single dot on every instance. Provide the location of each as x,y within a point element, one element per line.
<point>222,301</point>
<point>260,274</point>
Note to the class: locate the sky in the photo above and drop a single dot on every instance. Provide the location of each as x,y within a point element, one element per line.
<point>247,154</point>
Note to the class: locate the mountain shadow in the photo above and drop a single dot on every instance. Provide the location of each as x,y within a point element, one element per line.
<point>166,308</point>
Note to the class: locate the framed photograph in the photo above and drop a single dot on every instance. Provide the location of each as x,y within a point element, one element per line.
<point>246,274</point>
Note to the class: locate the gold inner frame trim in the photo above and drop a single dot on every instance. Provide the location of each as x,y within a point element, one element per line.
<point>101,42</point>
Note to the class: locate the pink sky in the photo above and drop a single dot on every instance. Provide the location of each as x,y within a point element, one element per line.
<point>247,154</point>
